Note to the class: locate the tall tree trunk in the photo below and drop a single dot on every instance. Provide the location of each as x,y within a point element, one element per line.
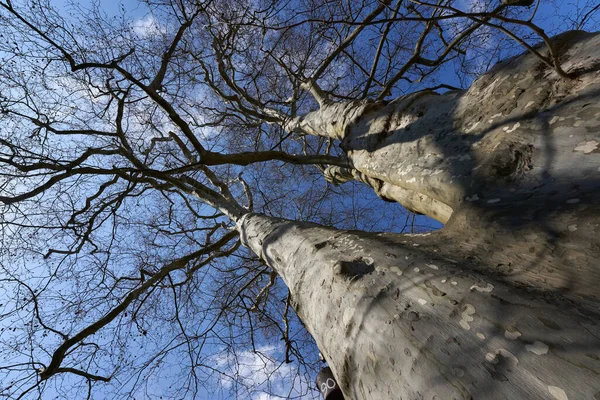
<point>503,302</point>
<point>395,319</point>
<point>512,164</point>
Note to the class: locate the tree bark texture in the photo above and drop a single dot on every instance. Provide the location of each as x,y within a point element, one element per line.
<point>511,165</point>
<point>518,127</point>
<point>502,303</point>
<point>396,320</point>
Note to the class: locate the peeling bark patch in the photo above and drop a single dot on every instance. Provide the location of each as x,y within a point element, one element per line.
<point>480,335</point>
<point>493,117</point>
<point>509,130</point>
<point>511,333</point>
<point>537,347</point>
<point>473,127</point>
<point>557,393</point>
<point>587,147</point>
<point>487,289</point>
<point>466,317</point>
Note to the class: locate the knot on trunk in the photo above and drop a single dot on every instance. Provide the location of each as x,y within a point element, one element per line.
<point>354,269</point>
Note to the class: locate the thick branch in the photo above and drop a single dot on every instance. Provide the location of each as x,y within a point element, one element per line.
<point>59,354</point>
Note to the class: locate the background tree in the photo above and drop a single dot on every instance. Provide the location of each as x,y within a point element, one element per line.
<point>122,146</point>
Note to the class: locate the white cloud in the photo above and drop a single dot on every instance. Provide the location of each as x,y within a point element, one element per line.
<point>264,376</point>
<point>472,5</point>
<point>148,26</point>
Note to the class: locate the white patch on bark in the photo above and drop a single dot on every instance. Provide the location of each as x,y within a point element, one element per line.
<point>433,266</point>
<point>492,201</point>
<point>509,130</point>
<point>480,335</point>
<point>472,128</point>
<point>488,288</point>
<point>513,334</point>
<point>348,313</point>
<point>417,269</point>
<point>537,347</point>
<point>493,117</point>
<point>557,393</point>
<point>422,301</point>
<point>472,198</point>
<point>572,228</point>
<point>529,104</point>
<point>587,147</point>
<point>466,317</point>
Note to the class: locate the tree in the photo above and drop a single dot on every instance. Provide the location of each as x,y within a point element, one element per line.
<point>123,147</point>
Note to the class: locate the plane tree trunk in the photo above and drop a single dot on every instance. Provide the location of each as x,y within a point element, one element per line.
<point>397,320</point>
<point>502,303</point>
<point>511,165</point>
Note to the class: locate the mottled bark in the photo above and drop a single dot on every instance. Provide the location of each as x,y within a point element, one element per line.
<point>396,320</point>
<point>512,164</point>
<point>503,302</point>
<point>518,127</point>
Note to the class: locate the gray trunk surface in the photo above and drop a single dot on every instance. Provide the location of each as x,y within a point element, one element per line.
<point>503,302</point>
<point>397,321</point>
